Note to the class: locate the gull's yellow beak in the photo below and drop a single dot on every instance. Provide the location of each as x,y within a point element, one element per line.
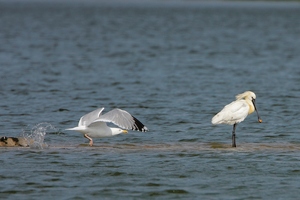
<point>125,131</point>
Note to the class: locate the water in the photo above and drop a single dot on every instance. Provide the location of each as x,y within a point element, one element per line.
<point>173,65</point>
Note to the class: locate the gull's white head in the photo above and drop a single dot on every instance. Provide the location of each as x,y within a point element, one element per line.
<point>246,95</point>
<point>117,131</point>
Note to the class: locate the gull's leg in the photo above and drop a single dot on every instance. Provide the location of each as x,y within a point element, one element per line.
<point>91,140</point>
<point>233,136</point>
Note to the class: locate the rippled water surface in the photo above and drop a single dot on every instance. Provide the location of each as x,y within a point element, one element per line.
<point>171,65</point>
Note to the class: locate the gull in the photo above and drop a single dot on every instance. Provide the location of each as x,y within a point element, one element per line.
<point>237,111</point>
<point>93,124</point>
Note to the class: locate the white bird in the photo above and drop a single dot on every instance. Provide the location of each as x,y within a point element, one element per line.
<point>237,111</point>
<point>94,125</point>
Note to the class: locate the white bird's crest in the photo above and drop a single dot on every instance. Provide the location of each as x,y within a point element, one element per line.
<point>246,94</point>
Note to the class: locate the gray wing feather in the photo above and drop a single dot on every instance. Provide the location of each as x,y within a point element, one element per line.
<point>122,119</point>
<point>87,119</point>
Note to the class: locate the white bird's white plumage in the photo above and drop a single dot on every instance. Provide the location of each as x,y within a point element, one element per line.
<point>237,111</point>
<point>93,124</point>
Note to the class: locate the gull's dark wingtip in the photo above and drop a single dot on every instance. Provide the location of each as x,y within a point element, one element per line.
<point>139,126</point>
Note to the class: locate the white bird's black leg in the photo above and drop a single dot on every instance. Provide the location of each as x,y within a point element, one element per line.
<point>233,136</point>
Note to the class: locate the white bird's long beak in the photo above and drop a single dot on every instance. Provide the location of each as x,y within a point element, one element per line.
<point>259,119</point>
<point>125,131</point>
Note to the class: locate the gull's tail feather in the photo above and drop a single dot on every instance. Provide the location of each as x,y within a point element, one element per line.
<point>78,128</point>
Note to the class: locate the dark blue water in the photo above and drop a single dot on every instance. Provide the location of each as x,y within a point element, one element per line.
<point>171,65</point>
